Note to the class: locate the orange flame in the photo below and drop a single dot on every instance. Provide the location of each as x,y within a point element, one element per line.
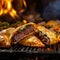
<point>6,7</point>
<point>25,5</point>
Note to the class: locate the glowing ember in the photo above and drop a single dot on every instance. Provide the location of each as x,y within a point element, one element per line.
<point>24,3</point>
<point>6,7</point>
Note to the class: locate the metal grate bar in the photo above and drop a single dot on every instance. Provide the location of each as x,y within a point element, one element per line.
<point>26,49</point>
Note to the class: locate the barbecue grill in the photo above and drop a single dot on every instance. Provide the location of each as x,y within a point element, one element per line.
<point>16,51</point>
<point>32,50</point>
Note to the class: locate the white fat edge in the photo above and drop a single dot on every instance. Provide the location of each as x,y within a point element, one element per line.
<point>48,32</point>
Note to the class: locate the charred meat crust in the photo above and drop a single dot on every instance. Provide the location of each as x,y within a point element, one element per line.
<point>22,33</point>
<point>44,38</point>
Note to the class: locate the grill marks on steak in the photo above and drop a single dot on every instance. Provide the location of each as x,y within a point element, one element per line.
<point>22,34</point>
<point>44,39</point>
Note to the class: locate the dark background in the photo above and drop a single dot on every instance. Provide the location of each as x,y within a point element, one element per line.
<point>49,9</point>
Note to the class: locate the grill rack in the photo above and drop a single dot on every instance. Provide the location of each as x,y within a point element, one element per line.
<point>32,50</point>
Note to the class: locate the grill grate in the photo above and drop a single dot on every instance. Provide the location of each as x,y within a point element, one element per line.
<point>20,49</point>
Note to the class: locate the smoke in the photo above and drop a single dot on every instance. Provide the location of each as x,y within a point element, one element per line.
<point>52,11</point>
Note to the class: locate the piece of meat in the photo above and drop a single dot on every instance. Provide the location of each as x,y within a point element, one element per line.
<point>5,37</point>
<point>44,39</point>
<point>21,34</point>
<point>47,36</point>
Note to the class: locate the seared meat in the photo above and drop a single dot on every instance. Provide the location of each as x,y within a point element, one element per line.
<point>32,41</point>
<point>33,17</point>
<point>47,36</point>
<point>23,32</point>
<point>5,37</point>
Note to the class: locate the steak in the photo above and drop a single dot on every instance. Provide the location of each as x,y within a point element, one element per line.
<point>21,34</point>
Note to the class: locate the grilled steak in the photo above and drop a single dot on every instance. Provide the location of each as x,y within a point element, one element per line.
<point>44,39</point>
<point>46,36</point>
<point>32,41</point>
<point>22,33</point>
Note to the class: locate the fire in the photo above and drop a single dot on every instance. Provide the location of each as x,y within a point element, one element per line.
<point>6,7</point>
<point>25,5</point>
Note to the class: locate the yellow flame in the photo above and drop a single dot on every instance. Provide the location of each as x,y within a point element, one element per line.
<point>1,11</point>
<point>24,3</point>
<point>13,13</point>
<point>6,7</point>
